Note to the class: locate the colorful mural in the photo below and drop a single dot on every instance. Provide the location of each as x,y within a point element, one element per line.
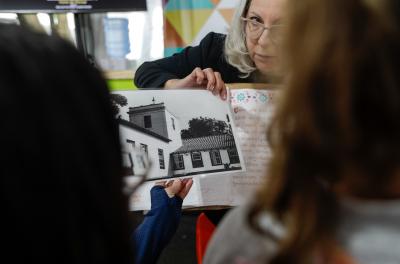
<point>186,22</point>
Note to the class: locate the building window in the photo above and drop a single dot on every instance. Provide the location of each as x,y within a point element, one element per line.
<point>147,121</point>
<point>233,156</point>
<point>143,147</point>
<point>179,164</point>
<point>197,161</point>
<point>215,157</point>
<point>131,142</point>
<point>173,123</point>
<point>161,158</point>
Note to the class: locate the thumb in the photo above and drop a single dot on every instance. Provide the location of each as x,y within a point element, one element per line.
<point>174,188</point>
<point>185,189</point>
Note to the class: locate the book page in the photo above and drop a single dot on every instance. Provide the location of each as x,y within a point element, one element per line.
<point>183,133</point>
<point>252,110</point>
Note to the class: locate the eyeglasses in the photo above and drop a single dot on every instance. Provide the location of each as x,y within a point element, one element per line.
<point>256,29</point>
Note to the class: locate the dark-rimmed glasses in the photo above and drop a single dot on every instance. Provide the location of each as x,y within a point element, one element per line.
<point>256,29</point>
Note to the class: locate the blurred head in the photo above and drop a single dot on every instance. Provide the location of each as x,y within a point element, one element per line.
<point>61,190</point>
<point>336,131</point>
<point>255,36</point>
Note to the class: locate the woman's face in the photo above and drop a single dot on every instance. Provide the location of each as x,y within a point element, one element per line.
<point>263,50</point>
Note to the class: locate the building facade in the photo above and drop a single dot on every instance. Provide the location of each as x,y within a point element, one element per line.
<point>205,155</point>
<point>156,131</point>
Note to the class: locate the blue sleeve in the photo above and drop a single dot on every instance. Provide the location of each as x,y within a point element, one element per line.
<point>158,226</point>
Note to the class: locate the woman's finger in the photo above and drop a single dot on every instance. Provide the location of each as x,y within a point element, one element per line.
<point>224,93</point>
<point>220,85</point>
<point>200,76</point>
<point>210,78</point>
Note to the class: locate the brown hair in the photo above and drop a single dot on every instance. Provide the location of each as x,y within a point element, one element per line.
<point>338,121</point>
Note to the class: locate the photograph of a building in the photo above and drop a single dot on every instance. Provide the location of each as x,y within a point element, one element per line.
<point>184,132</point>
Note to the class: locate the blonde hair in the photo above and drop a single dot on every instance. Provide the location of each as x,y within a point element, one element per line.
<point>236,53</point>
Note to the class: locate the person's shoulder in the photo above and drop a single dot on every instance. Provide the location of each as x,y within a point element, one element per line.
<point>227,245</point>
<point>212,46</point>
<point>268,224</point>
<point>213,38</point>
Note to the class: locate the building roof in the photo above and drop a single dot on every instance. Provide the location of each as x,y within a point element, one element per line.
<point>206,143</point>
<point>146,108</point>
<point>141,129</point>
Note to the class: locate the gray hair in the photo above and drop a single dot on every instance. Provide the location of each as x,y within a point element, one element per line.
<point>236,53</point>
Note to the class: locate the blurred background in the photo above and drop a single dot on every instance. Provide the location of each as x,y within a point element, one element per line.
<point>118,41</point>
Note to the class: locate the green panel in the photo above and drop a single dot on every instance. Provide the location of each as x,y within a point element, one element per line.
<point>171,51</point>
<point>120,85</point>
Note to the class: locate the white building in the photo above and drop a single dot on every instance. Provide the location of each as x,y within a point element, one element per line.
<point>155,130</point>
<point>205,155</point>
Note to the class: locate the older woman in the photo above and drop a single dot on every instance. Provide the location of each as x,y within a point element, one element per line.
<point>247,54</point>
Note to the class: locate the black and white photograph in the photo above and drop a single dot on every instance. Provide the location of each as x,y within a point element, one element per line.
<point>182,132</point>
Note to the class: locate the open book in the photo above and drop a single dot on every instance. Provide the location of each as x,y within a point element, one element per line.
<point>248,115</point>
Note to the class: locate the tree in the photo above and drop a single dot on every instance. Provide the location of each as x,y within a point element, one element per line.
<point>204,126</point>
<point>117,101</point>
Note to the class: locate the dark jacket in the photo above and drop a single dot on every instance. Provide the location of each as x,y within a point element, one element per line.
<point>209,54</point>
<point>158,226</point>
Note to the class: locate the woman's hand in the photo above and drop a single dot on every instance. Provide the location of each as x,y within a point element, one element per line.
<point>207,78</point>
<point>177,187</point>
